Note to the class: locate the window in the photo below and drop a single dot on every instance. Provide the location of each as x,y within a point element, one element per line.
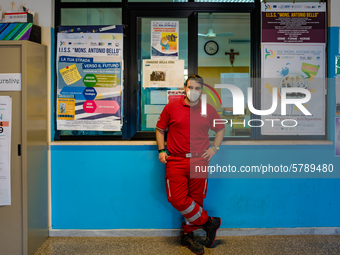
<point>224,58</point>
<point>216,59</point>
<point>153,100</point>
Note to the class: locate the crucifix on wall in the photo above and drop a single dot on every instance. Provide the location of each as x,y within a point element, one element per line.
<point>232,56</point>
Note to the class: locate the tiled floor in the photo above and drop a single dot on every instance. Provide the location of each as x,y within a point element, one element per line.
<point>244,245</point>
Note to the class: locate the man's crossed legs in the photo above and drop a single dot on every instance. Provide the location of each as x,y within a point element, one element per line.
<point>186,190</point>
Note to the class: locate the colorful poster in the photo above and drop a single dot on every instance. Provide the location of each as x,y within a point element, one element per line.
<point>163,73</point>
<point>294,22</point>
<point>90,71</point>
<point>5,149</point>
<point>89,93</point>
<point>293,66</point>
<point>164,39</point>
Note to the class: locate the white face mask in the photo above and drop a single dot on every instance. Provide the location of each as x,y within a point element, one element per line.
<point>193,95</point>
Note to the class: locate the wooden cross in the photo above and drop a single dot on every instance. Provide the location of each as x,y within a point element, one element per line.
<point>232,56</point>
<point>12,5</point>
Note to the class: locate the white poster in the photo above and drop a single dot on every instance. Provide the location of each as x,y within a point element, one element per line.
<point>164,39</point>
<point>163,73</point>
<point>5,149</point>
<point>293,66</point>
<point>90,78</point>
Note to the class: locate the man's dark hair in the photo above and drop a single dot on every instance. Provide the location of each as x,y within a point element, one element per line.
<point>196,78</point>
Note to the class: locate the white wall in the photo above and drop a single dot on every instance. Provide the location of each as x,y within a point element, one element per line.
<point>333,12</point>
<point>44,10</point>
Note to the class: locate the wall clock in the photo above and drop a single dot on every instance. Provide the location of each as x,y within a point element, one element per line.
<point>211,47</point>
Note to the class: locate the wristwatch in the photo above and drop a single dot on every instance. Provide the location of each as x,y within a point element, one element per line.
<point>215,148</point>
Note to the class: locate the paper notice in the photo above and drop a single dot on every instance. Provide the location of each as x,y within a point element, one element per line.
<point>70,74</point>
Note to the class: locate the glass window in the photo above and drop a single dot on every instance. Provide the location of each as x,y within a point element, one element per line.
<point>153,100</point>
<point>71,16</point>
<point>224,58</point>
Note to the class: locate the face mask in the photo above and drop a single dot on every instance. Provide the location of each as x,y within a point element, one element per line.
<point>193,95</point>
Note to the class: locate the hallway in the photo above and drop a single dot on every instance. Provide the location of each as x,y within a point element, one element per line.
<point>254,245</point>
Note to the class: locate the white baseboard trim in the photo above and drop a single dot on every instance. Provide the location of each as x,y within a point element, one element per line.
<point>176,232</point>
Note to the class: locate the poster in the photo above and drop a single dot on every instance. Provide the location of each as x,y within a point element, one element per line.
<point>292,65</point>
<point>5,149</point>
<point>294,22</point>
<point>90,73</point>
<point>164,39</point>
<point>163,73</point>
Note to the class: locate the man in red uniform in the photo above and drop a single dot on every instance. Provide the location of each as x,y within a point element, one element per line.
<point>188,144</point>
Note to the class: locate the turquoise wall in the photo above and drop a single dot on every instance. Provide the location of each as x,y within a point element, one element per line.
<point>123,187</point>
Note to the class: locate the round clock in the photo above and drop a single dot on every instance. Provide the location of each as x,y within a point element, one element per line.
<point>211,47</point>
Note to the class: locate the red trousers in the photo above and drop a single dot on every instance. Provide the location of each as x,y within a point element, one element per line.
<point>185,191</point>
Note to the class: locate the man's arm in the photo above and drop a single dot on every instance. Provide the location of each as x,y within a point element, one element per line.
<point>218,140</point>
<point>219,137</point>
<point>161,145</point>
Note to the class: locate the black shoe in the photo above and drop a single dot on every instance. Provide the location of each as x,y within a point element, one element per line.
<point>190,242</point>
<point>211,227</point>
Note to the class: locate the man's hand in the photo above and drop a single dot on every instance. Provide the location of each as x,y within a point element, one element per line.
<point>208,153</point>
<point>162,157</point>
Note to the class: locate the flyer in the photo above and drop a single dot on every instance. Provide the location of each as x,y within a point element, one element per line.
<point>5,149</point>
<point>293,66</point>
<point>164,39</point>
<point>294,22</point>
<point>163,73</point>
<point>90,73</point>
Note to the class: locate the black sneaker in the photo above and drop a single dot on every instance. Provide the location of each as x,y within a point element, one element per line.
<point>190,242</point>
<point>211,227</point>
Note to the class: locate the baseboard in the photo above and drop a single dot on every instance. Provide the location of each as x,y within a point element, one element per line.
<point>176,232</point>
